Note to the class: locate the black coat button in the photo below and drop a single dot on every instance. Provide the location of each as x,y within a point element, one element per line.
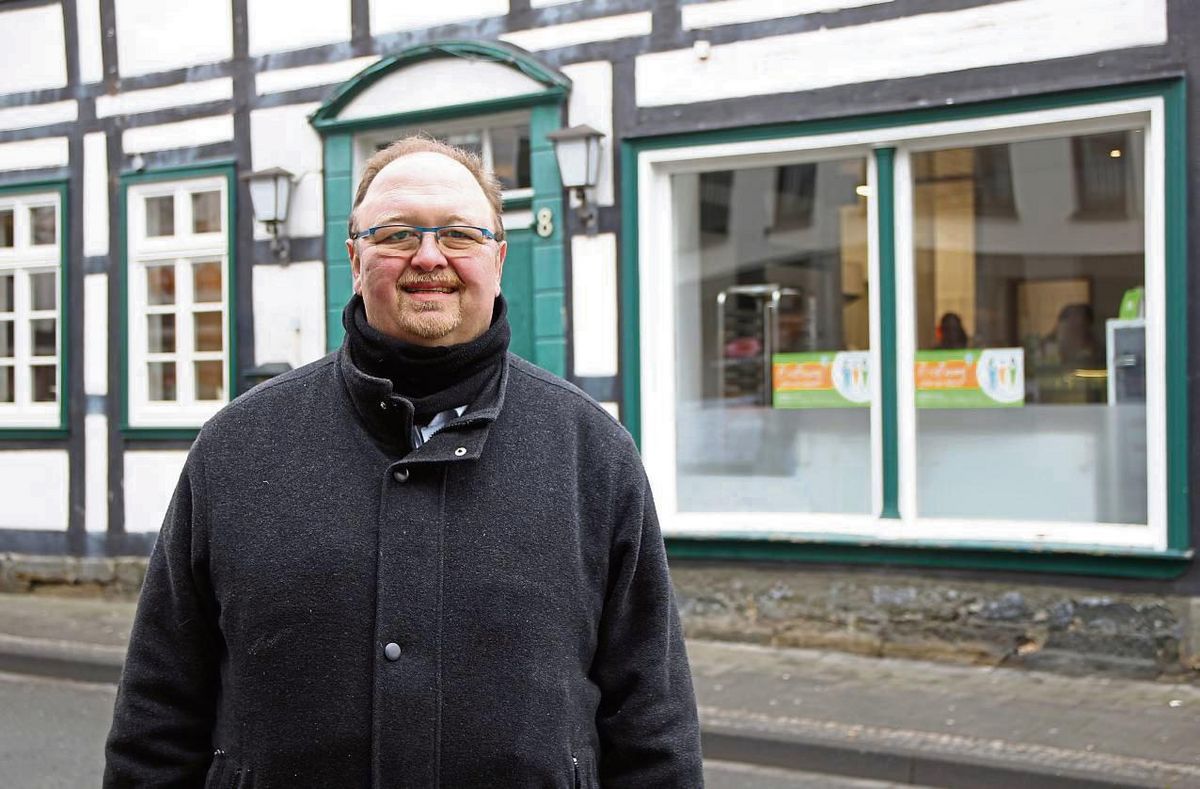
<point>400,475</point>
<point>392,651</point>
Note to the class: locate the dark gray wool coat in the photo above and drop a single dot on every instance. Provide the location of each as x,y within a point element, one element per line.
<point>514,559</point>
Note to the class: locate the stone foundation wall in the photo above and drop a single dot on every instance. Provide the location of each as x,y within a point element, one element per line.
<point>1050,628</point>
<point>118,578</point>
<point>1053,628</point>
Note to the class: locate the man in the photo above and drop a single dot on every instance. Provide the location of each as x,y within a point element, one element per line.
<point>417,562</point>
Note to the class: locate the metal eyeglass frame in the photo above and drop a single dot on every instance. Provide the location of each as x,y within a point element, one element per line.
<point>421,231</point>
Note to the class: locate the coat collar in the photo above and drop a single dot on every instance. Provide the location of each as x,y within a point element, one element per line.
<point>388,417</point>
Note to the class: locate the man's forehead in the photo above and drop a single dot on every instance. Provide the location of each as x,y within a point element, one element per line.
<point>424,172</point>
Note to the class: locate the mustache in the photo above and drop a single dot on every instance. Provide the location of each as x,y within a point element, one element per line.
<point>451,281</point>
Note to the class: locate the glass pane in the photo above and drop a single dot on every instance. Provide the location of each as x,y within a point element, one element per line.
<point>42,225</point>
<point>510,156</point>
<point>160,284</point>
<point>45,383</point>
<point>160,216</point>
<point>206,212</point>
<point>208,331</point>
<point>43,337</point>
<point>8,342</point>
<point>160,333</point>
<point>469,141</point>
<point>7,299</point>
<point>772,332</point>
<point>8,388</point>
<point>206,281</point>
<point>162,381</point>
<point>210,383</point>
<point>6,228</point>
<point>1031,364</point>
<point>44,294</point>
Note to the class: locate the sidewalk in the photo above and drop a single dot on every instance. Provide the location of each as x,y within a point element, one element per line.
<point>895,720</point>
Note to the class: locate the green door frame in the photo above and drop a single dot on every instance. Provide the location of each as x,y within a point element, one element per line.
<point>546,109</point>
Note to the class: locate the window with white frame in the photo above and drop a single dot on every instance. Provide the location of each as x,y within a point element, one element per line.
<point>501,141</point>
<point>1029,324</point>
<point>30,317</point>
<point>178,321</point>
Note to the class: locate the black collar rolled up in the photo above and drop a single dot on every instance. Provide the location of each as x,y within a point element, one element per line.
<point>432,378</point>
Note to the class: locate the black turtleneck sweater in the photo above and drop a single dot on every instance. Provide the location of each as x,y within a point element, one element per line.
<point>432,378</point>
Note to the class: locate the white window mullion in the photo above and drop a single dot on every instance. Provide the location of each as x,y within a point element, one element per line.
<point>185,340</point>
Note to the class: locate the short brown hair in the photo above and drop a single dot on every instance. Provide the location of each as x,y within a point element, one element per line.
<point>423,143</point>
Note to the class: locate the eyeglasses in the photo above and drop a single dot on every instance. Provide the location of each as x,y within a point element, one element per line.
<point>406,239</point>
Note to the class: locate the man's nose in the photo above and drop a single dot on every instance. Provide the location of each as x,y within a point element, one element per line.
<point>428,255</point>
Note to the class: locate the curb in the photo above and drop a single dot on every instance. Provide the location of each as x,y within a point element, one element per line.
<point>923,758</point>
<point>61,659</point>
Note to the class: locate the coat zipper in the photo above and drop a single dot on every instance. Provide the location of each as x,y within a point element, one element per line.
<point>575,770</point>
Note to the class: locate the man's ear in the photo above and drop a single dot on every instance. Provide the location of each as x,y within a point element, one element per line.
<point>355,265</point>
<point>501,254</point>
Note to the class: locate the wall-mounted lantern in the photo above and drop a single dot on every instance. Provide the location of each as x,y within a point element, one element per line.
<point>270,194</point>
<point>578,152</point>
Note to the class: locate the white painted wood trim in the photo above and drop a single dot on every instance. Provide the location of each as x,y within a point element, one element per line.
<point>605,28</point>
<point>697,16</point>
<point>875,335</point>
<point>136,101</point>
<point>1019,31</point>
<point>33,115</point>
<point>280,80</point>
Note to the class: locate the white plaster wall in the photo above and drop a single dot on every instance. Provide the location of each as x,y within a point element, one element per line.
<point>95,487</point>
<point>425,85</point>
<point>612,408</point>
<point>733,12</point>
<point>605,28</point>
<point>279,25</point>
<point>309,76</point>
<point>32,52</point>
<point>150,479</point>
<point>547,3</point>
<point>156,36</point>
<point>95,194</point>
<point>91,63</point>
<point>989,35</point>
<point>594,304</point>
<point>289,313</point>
<point>185,134</point>
<point>282,137</point>
<point>33,487</point>
<point>389,16</point>
<point>591,102</point>
<point>32,115</point>
<point>95,334</point>
<point>33,154</point>
<point>136,101</point>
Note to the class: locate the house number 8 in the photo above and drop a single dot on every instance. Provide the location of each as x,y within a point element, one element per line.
<point>545,222</point>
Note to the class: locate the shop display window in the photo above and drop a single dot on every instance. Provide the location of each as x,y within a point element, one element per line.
<point>946,330</point>
<point>1024,377</point>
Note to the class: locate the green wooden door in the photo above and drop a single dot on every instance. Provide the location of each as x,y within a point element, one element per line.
<point>517,284</point>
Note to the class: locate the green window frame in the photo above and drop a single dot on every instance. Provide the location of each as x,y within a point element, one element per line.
<point>640,156</point>
<point>56,427</point>
<point>186,427</point>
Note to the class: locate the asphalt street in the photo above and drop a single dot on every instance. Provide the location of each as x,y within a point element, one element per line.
<point>52,737</point>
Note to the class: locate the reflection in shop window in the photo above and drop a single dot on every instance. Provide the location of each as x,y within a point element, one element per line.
<point>772,337</point>
<point>1030,366</point>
